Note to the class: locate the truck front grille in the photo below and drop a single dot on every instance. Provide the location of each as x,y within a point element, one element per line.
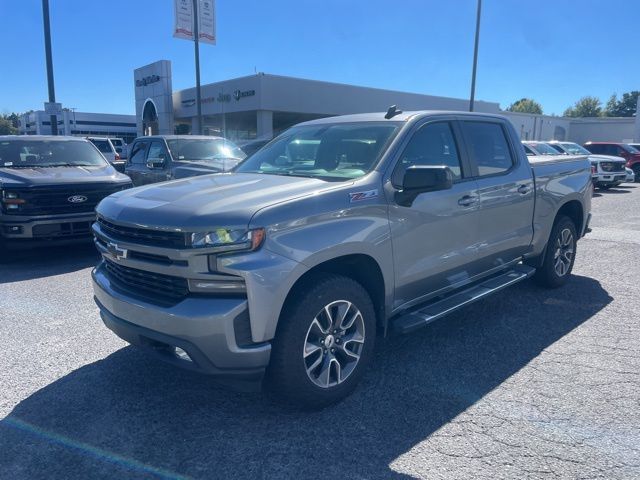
<point>143,235</point>
<point>61,200</point>
<point>158,287</point>
<point>612,166</point>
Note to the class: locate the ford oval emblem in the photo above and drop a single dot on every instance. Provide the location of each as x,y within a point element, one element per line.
<point>77,199</point>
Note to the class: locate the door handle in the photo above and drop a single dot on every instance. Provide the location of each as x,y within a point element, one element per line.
<point>467,200</point>
<point>524,189</point>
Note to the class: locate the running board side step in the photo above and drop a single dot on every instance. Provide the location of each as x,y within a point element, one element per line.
<point>425,314</point>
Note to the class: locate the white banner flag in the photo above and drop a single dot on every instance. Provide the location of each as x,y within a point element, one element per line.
<point>183,27</point>
<point>207,21</point>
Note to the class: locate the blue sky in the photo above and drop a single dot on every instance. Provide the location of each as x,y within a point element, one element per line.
<point>554,51</point>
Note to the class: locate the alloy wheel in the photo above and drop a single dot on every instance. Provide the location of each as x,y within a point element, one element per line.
<point>563,256</point>
<point>334,343</point>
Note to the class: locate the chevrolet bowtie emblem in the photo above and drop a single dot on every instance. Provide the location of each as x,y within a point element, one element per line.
<point>116,251</point>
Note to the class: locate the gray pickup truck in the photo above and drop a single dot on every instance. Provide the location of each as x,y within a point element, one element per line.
<point>287,268</point>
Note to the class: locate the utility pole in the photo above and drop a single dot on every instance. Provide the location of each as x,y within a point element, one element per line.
<point>196,35</point>
<point>47,47</point>
<point>475,59</point>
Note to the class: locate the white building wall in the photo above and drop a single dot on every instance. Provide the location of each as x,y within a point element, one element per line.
<point>603,130</point>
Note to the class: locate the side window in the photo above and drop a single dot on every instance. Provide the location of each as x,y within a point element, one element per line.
<point>527,150</point>
<point>433,144</point>
<point>157,151</point>
<point>103,146</point>
<point>138,153</point>
<point>488,147</point>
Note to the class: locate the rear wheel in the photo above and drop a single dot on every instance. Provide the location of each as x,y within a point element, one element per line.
<point>324,342</point>
<point>636,170</point>
<point>560,254</point>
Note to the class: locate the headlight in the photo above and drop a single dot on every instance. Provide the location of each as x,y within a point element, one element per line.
<point>226,240</point>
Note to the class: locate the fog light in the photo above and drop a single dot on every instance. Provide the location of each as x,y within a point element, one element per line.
<point>182,355</point>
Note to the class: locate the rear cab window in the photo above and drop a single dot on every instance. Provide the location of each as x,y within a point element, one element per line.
<point>103,145</point>
<point>488,147</point>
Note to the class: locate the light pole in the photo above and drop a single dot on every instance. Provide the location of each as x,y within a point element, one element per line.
<point>47,47</point>
<point>196,35</point>
<point>475,58</point>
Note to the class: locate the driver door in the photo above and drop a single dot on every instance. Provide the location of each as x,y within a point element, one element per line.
<point>434,238</point>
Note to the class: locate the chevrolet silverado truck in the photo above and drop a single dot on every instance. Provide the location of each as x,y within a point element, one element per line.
<point>282,272</point>
<point>49,187</point>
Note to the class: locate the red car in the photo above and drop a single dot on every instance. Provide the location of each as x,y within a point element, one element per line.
<point>624,150</point>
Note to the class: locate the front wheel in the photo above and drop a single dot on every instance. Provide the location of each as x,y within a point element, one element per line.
<point>560,254</point>
<point>324,342</point>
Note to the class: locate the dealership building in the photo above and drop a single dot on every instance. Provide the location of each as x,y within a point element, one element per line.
<point>80,124</point>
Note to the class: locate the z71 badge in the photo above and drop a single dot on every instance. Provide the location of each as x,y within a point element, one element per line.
<point>359,196</point>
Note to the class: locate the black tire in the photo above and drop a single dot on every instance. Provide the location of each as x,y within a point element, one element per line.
<point>604,187</point>
<point>636,170</point>
<point>287,376</point>
<point>548,275</point>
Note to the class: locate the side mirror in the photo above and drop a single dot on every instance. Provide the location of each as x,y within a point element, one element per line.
<point>157,163</point>
<point>422,179</point>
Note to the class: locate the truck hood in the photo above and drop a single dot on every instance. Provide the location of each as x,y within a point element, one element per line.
<point>31,177</point>
<point>205,202</point>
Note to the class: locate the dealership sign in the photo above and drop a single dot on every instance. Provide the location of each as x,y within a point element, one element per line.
<point>222,98</point>
<point>144,81</point>
<point>183,24</point>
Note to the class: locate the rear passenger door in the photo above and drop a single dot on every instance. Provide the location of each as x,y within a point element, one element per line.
<point>136,167</point>
<point>506,190</point>
<point>433,238</point>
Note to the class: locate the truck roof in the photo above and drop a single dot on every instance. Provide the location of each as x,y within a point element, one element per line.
<point>401,117</point>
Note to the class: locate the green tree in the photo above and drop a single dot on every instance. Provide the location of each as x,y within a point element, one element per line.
<point>585,107</point>
<point>625,107</point>
<point>525,105</point>
<point>6,126</point>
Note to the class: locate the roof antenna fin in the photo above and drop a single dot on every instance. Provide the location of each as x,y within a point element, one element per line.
<point>392,112</point>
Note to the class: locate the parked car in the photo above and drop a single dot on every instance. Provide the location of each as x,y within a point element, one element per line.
<point>165,157</point>
<point>339,228</point>
<point>49,187</point>
<point>631,176</point>
<point>120,146</point>
<point>607,171</point>
<point>624,150</point>
<point>538,148</point>
<point>635,145</point>
<point>108,151</point>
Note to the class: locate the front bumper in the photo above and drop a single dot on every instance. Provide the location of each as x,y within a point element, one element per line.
<point>46,228</point>
<point>612,179</point>
<point>204,327</point>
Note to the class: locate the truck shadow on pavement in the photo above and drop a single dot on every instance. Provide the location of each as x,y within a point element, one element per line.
<point>43,262</point>
<point>129,416</point>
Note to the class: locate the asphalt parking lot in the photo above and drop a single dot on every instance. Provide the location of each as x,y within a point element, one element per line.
<point>528,384</point>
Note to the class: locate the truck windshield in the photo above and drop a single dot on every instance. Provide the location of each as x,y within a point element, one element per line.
<point>48,153</point>
<point>339,151</point>
<point>575,149</point>
<point>202,150</point>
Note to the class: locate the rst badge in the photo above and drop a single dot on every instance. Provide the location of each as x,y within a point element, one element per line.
<point>359,196</point>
